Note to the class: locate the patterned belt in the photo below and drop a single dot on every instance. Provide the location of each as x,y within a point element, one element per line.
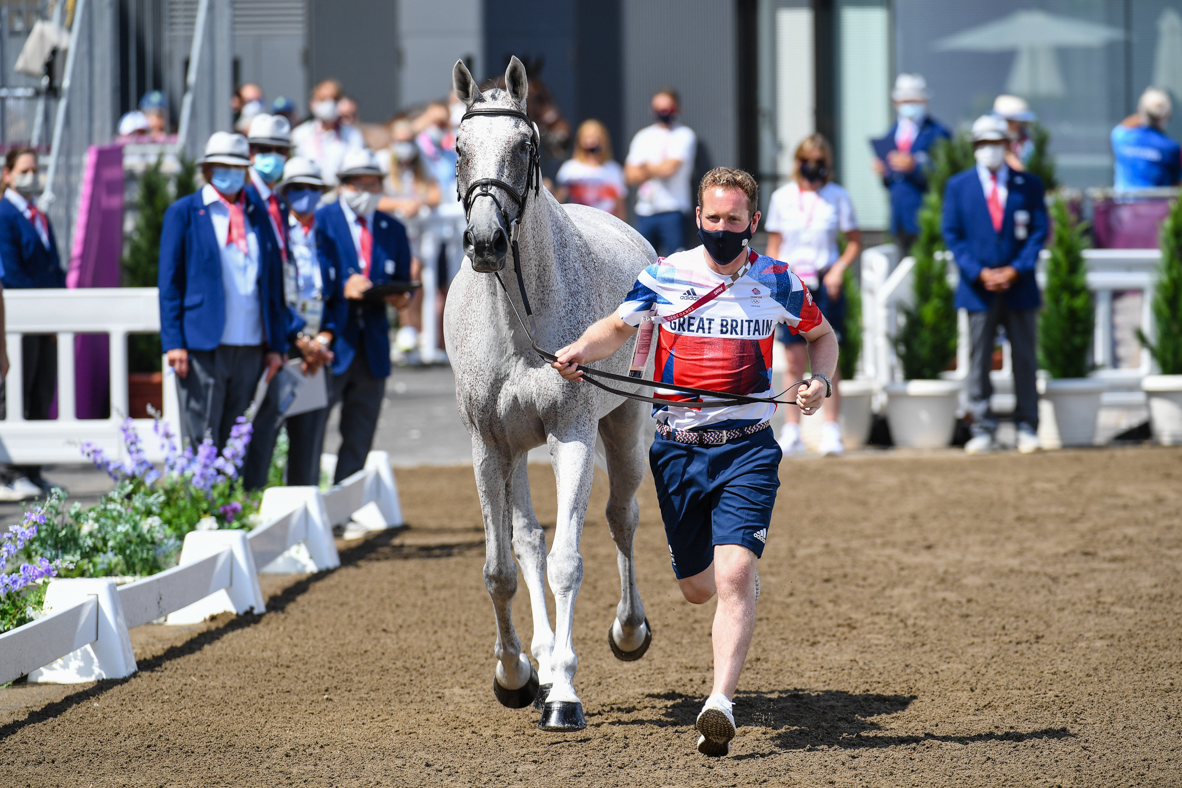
<point>710,437</point>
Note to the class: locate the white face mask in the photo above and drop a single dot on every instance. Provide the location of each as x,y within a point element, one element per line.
<point>991,157</point>
<point>913,111</point>
<point>326,111</point>
<point>25,183</point>
<point>361,203</point>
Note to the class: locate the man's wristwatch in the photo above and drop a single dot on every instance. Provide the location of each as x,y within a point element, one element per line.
<point>828,384</point>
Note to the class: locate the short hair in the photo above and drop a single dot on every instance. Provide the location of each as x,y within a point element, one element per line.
<point>727,178</point>
<point>335,84</point>
<point>14,155</point>
<point>814,143</point>
<point>671,93</point>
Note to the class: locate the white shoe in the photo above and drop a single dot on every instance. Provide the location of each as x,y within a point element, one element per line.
<point>716,724</point>
<point>980,444</point>
<point>790,443</point>
<point>1028,442</point>
<point>831,439</point>
<point>19,489</point>
<point>407,339</point>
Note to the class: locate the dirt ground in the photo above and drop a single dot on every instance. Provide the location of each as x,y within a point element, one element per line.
<point>925,620</point>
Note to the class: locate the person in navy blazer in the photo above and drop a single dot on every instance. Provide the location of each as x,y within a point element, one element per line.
<point>29,256</point>
<point>362,343</point>
<point>995,224</point>
<point>223,317</point>
<point>903,156</point>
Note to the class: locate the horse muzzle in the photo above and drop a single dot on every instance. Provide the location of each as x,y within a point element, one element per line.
<point>486,247</point>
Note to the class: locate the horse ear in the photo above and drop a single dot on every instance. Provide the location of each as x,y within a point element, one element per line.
<point>516,81</point>
<point>464,85</point>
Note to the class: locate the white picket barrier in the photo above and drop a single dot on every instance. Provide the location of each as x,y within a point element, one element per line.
<point>84,634</point>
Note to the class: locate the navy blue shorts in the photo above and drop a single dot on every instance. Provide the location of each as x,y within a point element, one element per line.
<point>712,495</point>
<point>832,309</point>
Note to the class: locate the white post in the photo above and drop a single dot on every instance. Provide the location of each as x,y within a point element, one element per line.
<point>66,408</point>
<point>110,655</point>
<point>318,550</point>
<point>14,394</point>
<point>241,596</point>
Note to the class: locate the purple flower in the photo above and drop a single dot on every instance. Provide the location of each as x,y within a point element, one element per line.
<point>231,510</point>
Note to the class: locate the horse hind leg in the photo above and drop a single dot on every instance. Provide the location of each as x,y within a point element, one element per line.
<point>630,634</point>
<point>515,682</point>
<point>529,545</point>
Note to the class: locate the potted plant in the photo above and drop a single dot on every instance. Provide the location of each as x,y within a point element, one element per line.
<point>921,410</point>
<point>1070,399</point>
<point>1164,391</point>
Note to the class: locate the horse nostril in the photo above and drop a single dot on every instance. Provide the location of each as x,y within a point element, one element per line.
<point>500,243</point>
<point>469,244</point>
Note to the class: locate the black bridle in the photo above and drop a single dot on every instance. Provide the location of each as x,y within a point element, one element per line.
<point>533,182</point>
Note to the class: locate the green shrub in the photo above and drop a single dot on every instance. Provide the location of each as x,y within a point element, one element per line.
<point>1068,319</point>
<point>851,340</point>
<point>926,344</point>
<point>1041,162</point>
<point>1167,298</point>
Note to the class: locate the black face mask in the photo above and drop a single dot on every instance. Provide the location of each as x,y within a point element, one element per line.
<point>667,118</point>
<point>594,150</point>
<point>724,245</point>
<point>812,171</point>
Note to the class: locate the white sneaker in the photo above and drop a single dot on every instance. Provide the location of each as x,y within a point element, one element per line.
<point>1028,442</point>
<point>980,444</point>
<point>716,724</point>
<point>790,442</point>
<point>831,439</point>
<point>19,489</point>
<point>407,339</point>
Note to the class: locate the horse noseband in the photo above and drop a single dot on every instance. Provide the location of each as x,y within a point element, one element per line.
<point>483,187</point>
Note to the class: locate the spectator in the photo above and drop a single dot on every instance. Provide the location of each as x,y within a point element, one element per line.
<point>903,156</point>
<point>312,293</point>
<point>362,247</point>
<point>134,127</point>
<point>1018,117</point>
<point>223,319</point>
<point>590,176</point>
<point>154,105</point>
<point>437,144</point>
<point>803,222</point>
<point>285,107</point>
<point>247,95</point>
<point>995,222</point>
<point>660,161</point>
<point>29,255</point>
<point>348,109</point>
<point>1145,156</point>
<point>323,138</point>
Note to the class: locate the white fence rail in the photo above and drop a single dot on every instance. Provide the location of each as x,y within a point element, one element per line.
<point>84,636</point>
<point>887,286</point>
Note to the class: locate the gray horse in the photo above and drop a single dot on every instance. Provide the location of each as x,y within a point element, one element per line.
<point>577,264</point>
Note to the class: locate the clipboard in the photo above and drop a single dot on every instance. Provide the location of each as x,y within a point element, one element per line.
<point>379,291</point>
<point>311,393</point>
<point>882,146</point>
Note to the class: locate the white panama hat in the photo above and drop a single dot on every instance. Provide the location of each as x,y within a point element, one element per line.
<point>301,170</point>
<point>990,128</point>
<point>359,162</point>
<point>270,130</point>
<point>910,87</point>
<point>224,147</point>
<point>1013,108</point>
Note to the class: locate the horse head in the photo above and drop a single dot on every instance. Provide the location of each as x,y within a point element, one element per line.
<point>498,164</point>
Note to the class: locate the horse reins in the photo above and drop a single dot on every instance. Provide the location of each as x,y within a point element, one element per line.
<point>533,181</point>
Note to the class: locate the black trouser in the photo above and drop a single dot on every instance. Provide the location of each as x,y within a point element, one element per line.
<point>305,436</point>
<point>360,395</point>
<point>38,385</point>
<point>218,389</point>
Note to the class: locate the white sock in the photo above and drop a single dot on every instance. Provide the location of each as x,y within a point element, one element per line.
<point>790,432</point>
<point>718,699</point>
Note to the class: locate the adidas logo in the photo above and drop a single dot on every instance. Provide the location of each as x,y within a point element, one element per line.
<point>689,295</point>
<point>761,535</point>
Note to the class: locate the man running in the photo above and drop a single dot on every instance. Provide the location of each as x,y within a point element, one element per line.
<point>716,470</point>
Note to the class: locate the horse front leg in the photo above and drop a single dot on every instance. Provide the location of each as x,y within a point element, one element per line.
<point>573,458</point>
<point>529,545</point>
<point>515,682</point>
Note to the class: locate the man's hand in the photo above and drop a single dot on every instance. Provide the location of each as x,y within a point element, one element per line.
<point>273,361</point>
<point>810,397</point>
<point>315,354</point>
<point>569,359</point>
<point>833,281</point>
<point>998,280</point>
<point>398,300</point>
<point>178,359</point>
<point>900,161</point>
<point>879,167</point>
<point>356,285</point>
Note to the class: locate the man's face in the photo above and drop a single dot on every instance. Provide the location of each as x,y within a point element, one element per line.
<point>363,183</point>
<point>157,122</point>
<point>250,92</point>
<point>325,93</point>
<point>664,105</point>
<point>257,148</point>
<point>348,109</point>
<point>726,209</point>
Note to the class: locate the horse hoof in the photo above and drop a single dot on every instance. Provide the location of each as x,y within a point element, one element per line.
<point>543,693</point>
<point>522,696</point>
<point>630,656</point>
<point>562,715</point>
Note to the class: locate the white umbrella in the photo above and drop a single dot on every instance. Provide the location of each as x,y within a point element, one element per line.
<point>1167,56</point>
<point>1035,35</point>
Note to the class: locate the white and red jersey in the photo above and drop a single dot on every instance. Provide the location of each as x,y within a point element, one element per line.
<point>726,344</point>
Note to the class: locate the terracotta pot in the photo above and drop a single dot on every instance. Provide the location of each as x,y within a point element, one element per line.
<point>144,389</point>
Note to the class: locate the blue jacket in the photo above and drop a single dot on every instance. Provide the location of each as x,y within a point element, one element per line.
<point>295,323</point>
<point>26,261</point>
<point>192,299</point>
<point>907,188</point>
<point>361,326</point>
<point>969,235</point>
<point>1145,157</point>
